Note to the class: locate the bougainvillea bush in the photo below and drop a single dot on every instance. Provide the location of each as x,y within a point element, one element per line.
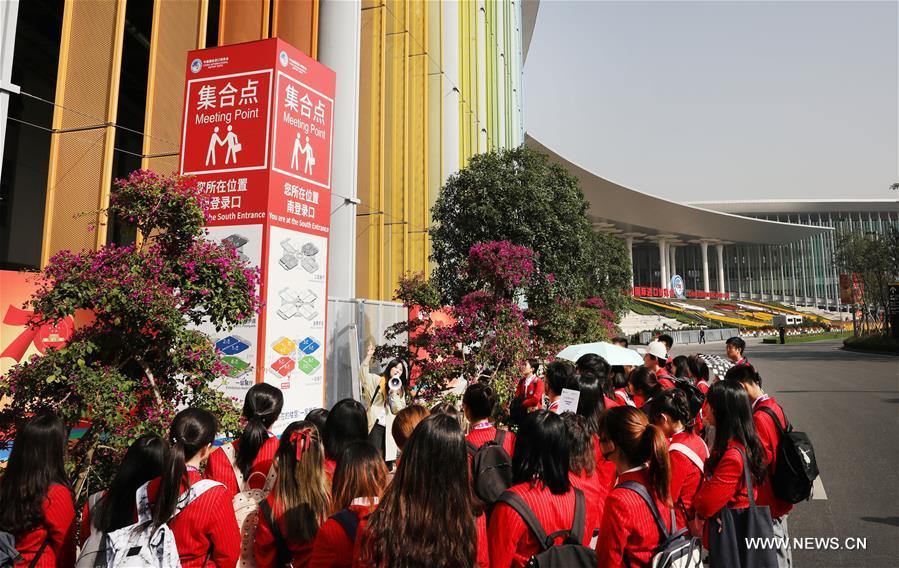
<point>142,359</point>
<point>488,332</point>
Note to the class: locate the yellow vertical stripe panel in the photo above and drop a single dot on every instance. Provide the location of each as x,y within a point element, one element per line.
<point>417,164</point>
<point>435,120</point>
<point>178,27</point>
<point>87,86</point>
<point>296,22</point>
<point>370,176</point>
<point>397,97</point>
<point>242,20</point>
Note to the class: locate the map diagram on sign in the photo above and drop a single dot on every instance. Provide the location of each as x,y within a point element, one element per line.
<point>304,256</point>
<point>295,305</point>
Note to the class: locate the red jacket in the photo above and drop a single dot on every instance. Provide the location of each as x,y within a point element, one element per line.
<point>208,523</point>
<point>264,548</point>
<point>533,397</point>
<point>725,486</point>
<point>610,402</point>
<point>628,534</point>
<point>595,492</point>
<point>605,469</point>
<point>483,560</point>
<point>58,527</point>
<point>332,547</point>
<point>769,436</point>
<point>511,542</point>
<point>686,476</point>
<point>480,436</point>
<point>219,468</point>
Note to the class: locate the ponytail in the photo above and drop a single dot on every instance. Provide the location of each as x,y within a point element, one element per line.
<point>261,408</point>
<point>302,495</point>
<point>192,430</point>
<point>653,444</point>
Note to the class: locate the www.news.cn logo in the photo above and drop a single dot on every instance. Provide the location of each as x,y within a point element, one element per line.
<point>808,543</point>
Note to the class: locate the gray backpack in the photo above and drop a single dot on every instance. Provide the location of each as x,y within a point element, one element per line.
<point>676,549</point>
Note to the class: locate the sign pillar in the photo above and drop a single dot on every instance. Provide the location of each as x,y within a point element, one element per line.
<point>257,135</point>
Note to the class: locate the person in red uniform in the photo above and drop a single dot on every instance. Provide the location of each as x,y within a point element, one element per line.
<point>478,403</point>
<point>115,508</point>
<point>346,423</point>
<point>618,377</point>
<point>734,348</point>
<point>582,470</point>
<point>559,375</point>
<point>687,453</point>
<point>593,382</point>
<point>769,436</point>
<point>36,504</point>
<point>628,534</point>
<point>246,463</point>
<point>592,365</point>
<point>530,387</point>
<point>299,503</point>
<point>540,479</point>
<point>655,359</point>
<point>404,424</point>
<point>729,412</point>
<point>359,482</point>
<point>644,386</point>
<point>428,515</point>
<point>699,372</point>
<point>206,530</point>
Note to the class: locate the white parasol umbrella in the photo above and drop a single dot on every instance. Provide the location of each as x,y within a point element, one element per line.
<point>613,354</point>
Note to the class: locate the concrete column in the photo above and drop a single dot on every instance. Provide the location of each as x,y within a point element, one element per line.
<point>629,243</point>
<point>705,265</point>
<point>720,250</point>
<point>663,268</point>
<point>672,249</point>
<point>338,48</point>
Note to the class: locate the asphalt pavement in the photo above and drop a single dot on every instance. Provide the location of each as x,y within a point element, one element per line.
<point>848,404</point>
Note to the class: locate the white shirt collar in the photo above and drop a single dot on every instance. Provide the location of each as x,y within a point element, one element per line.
<point>633,469</point>
<point>363,502</point>
<point>759,399</point>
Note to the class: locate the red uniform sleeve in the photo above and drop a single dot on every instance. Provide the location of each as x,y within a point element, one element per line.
<point>223,532</point>
<point>59,516</point>
<point>264,546</point>
<point>680,465</point>
<point>505,530</point>
<point>218,468</point>
<point>717,491</point>
<point>535,400</point>
<point>767,433</point>
<point>483,543</point>
<point>330,541</point>
<point>612,533</point>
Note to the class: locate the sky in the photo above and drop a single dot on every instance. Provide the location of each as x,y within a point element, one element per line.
<point>721,100</point>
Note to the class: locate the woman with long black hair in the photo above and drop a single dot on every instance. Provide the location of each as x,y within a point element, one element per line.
<point>115,508</point>
<point>346,423</point>
<point>428,515</point>
<point>384,396</point>
<point>628,534</point>
<point>298,504</point>
<point>644,386</point>
<point>205,530</point>
<point>540,480</point>
<point>593,382</point>
<point>36,504</point>
<point>736,443</point>
<point>245,462</point>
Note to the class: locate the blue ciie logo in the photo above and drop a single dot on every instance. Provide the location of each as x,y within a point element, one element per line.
<point>677,284</point>
<point>283,58</point>
<point>196,65</point>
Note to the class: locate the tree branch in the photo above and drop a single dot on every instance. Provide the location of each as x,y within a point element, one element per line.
<point>151,378</point>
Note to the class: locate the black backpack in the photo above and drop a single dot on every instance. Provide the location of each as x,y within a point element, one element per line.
<point>491,468</point>
<point>795,467</point>
<point>676,549</point>
<point>348,521</point>
<point>570,553</point>
<point>695,398</point>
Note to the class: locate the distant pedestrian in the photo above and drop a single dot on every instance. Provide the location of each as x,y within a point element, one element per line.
<point>702,335</point>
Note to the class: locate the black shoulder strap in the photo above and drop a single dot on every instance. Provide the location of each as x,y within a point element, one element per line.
<point>747,478</point>
<point>40,552</point>
<point>499,437</point>
<point>640,490</point>
<point>767,410</point>
<point>527,515</point>
<point>349,521</point>
<point>283,551</point>
<point>472,449</point>
<point>579,524</point>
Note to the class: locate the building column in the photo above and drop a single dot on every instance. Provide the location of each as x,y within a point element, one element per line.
<point>672,267</point>
<point>720,250</point>
<point>705,265</point>
<point>629,243</point>
<point>663,269</point>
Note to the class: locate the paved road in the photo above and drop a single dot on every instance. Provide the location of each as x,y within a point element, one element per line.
<point>848,403</point>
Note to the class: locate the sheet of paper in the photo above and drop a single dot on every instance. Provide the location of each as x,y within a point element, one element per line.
<point>568,400</point>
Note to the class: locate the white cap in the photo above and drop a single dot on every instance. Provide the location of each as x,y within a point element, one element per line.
<point>658,350</point>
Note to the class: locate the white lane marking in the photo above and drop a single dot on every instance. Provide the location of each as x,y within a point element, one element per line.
<point>818,489</point>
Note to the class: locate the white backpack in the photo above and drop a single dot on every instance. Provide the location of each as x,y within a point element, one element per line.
<point>246,506</point>
<point>138,545</point>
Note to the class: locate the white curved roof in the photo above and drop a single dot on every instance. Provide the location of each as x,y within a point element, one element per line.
<point>793,206</point>
<point>621,210</point>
